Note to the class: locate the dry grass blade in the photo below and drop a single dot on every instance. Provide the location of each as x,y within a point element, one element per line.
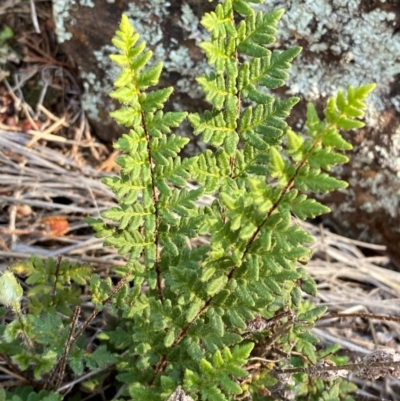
<point>7,5</point>
<point>46,183</point>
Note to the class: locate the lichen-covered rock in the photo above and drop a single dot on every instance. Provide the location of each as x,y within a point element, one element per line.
<point>353,42</point>
<point>170,29</point>
<point>346,42</point>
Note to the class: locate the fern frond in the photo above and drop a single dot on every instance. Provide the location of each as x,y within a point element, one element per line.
<point>344,109</point>
<point>188,326</point>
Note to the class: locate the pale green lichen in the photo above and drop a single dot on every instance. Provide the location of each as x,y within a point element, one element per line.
<point>61,14</point>
<point>95,91</point>
<point>364,41</point>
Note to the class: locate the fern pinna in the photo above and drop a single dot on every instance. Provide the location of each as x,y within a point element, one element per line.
<point>189,308</point>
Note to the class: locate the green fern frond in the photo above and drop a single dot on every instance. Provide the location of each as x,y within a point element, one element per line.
<point>188,327</point>
<point>344,109</point>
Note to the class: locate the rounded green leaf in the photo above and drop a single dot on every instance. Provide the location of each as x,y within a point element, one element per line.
<point>11,291</point>
<point>169,338</point>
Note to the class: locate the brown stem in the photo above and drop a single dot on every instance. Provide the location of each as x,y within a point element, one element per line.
<point>156,212</point>
<point>74,335</point>
<point>96,311</point>
<point>60,367</point>
<point>282,329</point>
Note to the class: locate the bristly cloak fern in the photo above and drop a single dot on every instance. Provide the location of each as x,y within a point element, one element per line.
<point>189,327</point>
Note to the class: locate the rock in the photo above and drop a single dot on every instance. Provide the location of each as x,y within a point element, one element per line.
<point>170,29</point>
<point>354,42</point>
<point>346,42</point>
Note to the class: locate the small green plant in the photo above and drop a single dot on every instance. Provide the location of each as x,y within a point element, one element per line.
<point>6,33</point>
<point>205,322</point>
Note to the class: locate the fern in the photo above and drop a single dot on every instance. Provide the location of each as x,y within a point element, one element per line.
<point>188,317</point>
<point>201,299</point>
